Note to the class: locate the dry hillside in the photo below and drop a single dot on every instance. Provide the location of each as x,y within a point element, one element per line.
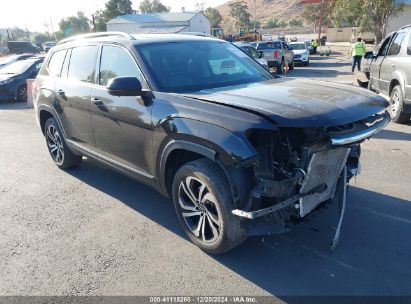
<point>266,9</point>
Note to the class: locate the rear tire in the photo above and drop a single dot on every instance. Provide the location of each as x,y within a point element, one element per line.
<point>280,69</point>
<point>203,203</point>
<point>58,149</point>
<point>396,106</point>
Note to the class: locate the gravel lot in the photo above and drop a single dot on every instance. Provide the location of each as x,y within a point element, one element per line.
<point>91,231</point>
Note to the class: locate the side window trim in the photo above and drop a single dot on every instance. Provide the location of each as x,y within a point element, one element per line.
<point>402,35</point>
<point>144,83</point>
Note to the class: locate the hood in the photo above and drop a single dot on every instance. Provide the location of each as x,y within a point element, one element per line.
<point>300,52</point>
<point>292,102</point>
<point>6,76</point>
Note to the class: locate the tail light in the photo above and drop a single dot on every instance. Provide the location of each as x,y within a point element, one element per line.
<point>275,54</point>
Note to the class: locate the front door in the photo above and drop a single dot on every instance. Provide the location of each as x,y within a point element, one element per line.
<point>122,125</point>
<point>375,66</point>
<point>391,62</point>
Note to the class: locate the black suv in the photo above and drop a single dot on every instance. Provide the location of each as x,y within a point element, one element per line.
<point>239,151</point>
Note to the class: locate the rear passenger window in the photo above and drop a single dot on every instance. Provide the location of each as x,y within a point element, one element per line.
<point>56,62</point>
<point>83,63</point>
<point>116,62</point>
<point>396,44</point>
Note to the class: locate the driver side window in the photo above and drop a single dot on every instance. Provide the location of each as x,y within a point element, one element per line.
<point>384,47</point>
<point>117,62</point>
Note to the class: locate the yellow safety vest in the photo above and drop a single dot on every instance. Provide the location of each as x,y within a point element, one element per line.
<point>358,49</point>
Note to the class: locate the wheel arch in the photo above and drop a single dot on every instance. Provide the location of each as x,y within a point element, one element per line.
<point>397,79</point>
<point>46,112</point>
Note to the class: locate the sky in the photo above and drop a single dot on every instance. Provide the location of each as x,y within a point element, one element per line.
<point>33,14</point>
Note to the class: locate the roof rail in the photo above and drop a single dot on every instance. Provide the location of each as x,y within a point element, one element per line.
<point>200,34</point>
<point>96,35</point>
<point>405,26</point>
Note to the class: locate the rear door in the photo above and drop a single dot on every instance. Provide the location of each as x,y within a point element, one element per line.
<point>73,90</point>
<point>122,124</point>
<point>392,61</point>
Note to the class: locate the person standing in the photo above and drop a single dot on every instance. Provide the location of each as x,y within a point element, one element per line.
<point>358,50</point>
<point>314,45</point>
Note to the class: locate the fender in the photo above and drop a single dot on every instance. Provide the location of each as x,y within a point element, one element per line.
<point>211,141</point>
<point>398,76</point>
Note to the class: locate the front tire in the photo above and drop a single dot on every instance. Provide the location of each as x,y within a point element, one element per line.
<point>58,149</point>
<point>396,106</point>
<point>203,203</point>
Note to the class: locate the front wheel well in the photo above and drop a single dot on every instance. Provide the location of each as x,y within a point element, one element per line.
<point>175,161</point>
<point>44,115</point>
<point>393,84</point>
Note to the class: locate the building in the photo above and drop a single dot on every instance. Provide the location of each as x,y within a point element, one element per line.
<point>404,18</point>
<point>348,34</point>
<point>163,23</point>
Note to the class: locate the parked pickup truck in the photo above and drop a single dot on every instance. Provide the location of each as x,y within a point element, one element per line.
<point>277,53</point>
<point>390,73</point>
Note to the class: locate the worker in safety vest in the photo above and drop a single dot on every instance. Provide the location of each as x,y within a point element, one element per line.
<point>314,45</point>
<point>357,51</point>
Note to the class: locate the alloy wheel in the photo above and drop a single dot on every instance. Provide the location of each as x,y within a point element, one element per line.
<point>55,144</point>
<point>198,207</point>
<point>395,104</point>
<point>22,93</point>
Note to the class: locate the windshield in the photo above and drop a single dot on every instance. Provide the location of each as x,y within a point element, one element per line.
<point>297,46</point>
<point>198,65</point>
<point>18,67</point>
<point>269,45</point>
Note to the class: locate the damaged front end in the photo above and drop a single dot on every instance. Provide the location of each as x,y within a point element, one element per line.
<point>300,168</point>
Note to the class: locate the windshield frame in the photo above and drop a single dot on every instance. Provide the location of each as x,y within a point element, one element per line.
<point>156,85</point>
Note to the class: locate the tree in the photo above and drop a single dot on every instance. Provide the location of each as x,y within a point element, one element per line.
<point>311,13</point>
<point>369,15</point>
<point>74,25</point>
<point>153,6</point>
<point>99,23</point>
<point>256,24</point>
<point>115,8</point>
<point>41,38</point>
<point>214,16</point>
<point>239,11</point>
<point>200,6</point>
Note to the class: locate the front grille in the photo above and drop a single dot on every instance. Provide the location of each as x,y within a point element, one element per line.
<point>324,168</point>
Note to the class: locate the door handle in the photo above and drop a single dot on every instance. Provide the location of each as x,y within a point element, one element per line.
<point>61,92</point>
<point>96,101</point>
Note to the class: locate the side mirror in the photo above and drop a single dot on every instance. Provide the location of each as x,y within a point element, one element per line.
<point>124,86</point>
<point>369,55</point>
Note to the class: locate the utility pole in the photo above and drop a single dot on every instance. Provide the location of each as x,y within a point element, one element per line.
<point>52,29</point>
<point>321,19</point>
<point>255,15</point>
<point>27,33</point>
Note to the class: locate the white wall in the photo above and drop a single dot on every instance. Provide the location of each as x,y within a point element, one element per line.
<point>403,19</point>
<point>200,23</point>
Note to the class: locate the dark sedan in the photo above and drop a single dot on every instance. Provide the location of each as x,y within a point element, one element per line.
<point>13,78</point>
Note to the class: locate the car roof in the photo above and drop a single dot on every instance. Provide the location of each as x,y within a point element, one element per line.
<point>297,42</point>
<point>134,39</point>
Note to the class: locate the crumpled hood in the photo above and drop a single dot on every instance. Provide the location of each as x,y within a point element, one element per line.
<point>299,103</point>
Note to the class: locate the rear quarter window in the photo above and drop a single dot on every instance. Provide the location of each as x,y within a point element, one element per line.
<point>56,63</point>
<point>269,46</point>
